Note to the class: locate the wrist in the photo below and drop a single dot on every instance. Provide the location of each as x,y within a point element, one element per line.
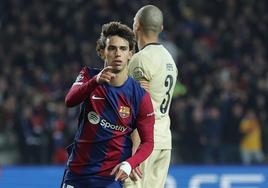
<point>126,167</point>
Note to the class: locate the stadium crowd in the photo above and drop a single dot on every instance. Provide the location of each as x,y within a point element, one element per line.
<point>220,106</point>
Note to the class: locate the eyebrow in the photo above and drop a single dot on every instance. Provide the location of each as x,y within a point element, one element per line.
<point>117,46</point>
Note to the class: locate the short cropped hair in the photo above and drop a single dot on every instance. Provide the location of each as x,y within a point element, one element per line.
<point>150,18</point>
<point>115,29</point>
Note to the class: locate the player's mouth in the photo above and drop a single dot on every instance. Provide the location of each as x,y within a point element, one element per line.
<point>117,62</point>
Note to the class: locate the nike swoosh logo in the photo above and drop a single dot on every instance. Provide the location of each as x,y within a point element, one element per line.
<point>96,98</point>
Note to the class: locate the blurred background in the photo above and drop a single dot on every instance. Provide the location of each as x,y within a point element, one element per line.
<point>220,105</point>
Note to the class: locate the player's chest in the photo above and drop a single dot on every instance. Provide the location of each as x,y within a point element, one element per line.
<point>113,105</point>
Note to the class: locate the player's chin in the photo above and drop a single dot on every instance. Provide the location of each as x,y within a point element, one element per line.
<point>117,70</point>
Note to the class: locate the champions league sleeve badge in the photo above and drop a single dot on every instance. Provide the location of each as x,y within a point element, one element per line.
<point>79,78</point>
<point>138,73</point>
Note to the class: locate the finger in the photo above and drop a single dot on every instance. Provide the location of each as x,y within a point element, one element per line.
<point>106,78</point>
<point>144,82</point>
<point>102,80</point>
<point>112,75</point>
<point>118,175</point>
<point>132,176</point>
<point>115,169</point>
<point>103,77</point>
<point>108,69</point>
<point>138,172</point>
<point>145,85</point>
<point>124,177</point>
<point>109,75</point>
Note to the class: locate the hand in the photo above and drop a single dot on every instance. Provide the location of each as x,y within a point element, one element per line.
<point>106,75</point>
<point>119,173</point>
<point>135,174</point>
<point>145,85</point>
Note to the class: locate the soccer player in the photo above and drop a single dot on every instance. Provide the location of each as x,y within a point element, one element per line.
<point>112,106</point>
<point>156,70</point>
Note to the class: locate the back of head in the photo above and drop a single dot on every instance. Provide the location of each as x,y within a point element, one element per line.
<point>151,19</point>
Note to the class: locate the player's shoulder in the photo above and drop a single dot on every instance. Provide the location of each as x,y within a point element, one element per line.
<point>138,64</point>
<point>91,71</point>
<point>153,53</point>
<point>141,60</point>
<point>140,57</point>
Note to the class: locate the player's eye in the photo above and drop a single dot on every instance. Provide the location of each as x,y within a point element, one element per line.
<point>124,48</point>
<point>111,48</point>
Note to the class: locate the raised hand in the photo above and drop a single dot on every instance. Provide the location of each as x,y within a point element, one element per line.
<point>106,75</point>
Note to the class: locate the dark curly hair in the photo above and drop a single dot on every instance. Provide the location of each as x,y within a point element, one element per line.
<point>112,29</point>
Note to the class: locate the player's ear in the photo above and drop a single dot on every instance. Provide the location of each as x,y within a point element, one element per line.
<point>102,54</point>
<point>138,25</point>
<point>130,54</point>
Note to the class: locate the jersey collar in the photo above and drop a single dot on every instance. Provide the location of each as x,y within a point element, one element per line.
<point>153,43</point>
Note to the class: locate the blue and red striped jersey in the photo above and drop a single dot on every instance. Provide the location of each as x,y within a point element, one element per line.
<point>107,117</point>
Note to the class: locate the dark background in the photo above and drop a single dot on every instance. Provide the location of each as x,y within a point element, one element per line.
<point>220,48</point>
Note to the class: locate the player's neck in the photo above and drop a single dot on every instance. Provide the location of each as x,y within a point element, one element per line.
<point>144,40</point>
<point>120,78</point>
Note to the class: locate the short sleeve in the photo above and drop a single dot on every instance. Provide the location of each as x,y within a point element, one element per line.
<point>138,67</point>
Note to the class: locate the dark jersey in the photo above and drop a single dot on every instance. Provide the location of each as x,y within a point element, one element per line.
<point>108,116</point>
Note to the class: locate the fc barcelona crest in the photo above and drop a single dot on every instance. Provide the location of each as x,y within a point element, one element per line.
<point>124,111</point>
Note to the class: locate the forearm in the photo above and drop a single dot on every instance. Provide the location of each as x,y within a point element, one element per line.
<point>143,152</point>
<point>135,141</point>
<point>145,126</point>
<point>146,137</point>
